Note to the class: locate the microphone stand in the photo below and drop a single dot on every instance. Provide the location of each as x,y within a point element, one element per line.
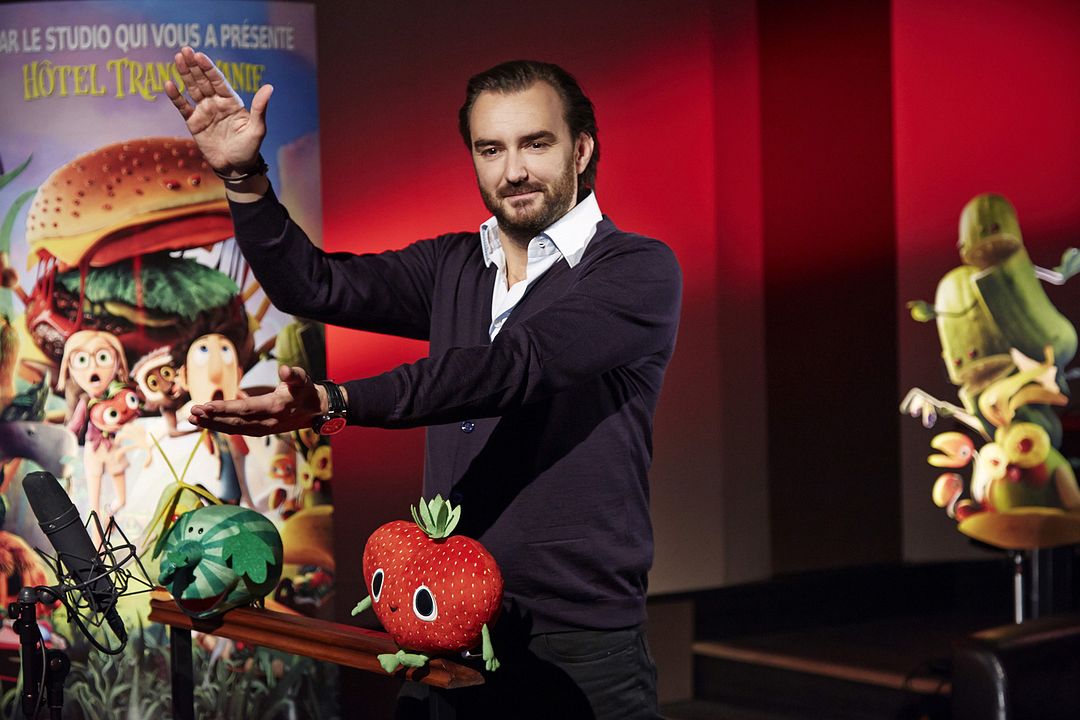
<point>42,670</point>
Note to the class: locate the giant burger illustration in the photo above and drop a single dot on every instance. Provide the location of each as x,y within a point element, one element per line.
<point>108,232</point>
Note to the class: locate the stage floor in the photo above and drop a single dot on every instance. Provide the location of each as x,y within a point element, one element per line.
<point>866,670</point>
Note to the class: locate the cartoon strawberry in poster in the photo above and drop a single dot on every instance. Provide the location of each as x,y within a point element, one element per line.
<point>433,592</point>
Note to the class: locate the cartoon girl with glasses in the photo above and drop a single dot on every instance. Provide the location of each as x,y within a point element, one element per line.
<point>92,360</point>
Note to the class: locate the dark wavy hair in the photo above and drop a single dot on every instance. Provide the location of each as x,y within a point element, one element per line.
<point>519,75</point>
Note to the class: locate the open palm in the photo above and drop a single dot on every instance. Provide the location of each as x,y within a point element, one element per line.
<point>227,133</point>
<point>291,406</point>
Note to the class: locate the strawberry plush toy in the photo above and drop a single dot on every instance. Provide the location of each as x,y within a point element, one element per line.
<point>433,593</point>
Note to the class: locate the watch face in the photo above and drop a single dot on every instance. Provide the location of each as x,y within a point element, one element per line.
<point>330,426</point>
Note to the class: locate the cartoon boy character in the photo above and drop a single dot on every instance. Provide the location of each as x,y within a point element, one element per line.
<point>212,371</point>
<point>92,359</point>
<point>159,381</point>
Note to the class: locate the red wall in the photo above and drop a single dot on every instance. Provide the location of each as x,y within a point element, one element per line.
<point>829,249</point>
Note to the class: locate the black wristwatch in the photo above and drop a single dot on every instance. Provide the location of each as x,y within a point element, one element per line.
<point>334,420</point>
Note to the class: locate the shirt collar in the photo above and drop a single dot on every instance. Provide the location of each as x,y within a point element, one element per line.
<point>570,233</point>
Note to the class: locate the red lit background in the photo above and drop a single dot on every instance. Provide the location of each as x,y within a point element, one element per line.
<point>806,161</point>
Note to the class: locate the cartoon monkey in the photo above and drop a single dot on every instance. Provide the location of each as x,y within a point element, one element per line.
<point>159,381</point>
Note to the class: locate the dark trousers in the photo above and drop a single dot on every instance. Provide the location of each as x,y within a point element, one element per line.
<point>581,675</point>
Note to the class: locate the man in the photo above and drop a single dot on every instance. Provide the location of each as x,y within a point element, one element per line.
<point>549,334</point>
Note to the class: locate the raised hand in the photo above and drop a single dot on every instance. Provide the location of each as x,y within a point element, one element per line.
<point>291,406</point>
<point>227,133</point>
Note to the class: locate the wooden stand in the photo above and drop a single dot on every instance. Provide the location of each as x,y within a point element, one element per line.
<point>295,634</point>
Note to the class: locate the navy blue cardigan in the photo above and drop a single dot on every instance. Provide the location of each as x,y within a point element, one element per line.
<point>544,434</point>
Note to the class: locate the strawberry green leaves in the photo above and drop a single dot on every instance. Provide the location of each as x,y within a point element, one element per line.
<point>437,518</point>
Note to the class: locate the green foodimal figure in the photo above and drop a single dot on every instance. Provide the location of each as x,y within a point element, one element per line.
<point>995,322</point>
<point>991,305</point>
<point>220,557</point>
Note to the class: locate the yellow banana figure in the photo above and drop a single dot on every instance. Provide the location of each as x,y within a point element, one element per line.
<point>1033,383</point>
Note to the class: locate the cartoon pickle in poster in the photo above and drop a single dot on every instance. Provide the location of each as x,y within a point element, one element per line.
<point>1005,347</point>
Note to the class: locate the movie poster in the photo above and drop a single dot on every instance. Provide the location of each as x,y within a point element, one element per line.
<point>124,298</point>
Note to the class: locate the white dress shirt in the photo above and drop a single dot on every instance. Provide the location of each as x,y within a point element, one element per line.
<point>566,238</point>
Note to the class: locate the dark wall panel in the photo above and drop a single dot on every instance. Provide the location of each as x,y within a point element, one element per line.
<point>826,115</point>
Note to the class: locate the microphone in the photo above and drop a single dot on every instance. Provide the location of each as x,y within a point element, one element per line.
<point>59,520</point>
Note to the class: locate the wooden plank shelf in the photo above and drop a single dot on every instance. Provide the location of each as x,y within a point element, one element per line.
<point>318,639</point>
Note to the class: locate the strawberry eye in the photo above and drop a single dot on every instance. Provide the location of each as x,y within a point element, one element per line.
<point>376,584</point>
<point>132,401</point>
<point>423,603</point>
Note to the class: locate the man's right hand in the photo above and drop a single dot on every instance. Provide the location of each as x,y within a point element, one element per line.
<point>228,135</point>
<point>290,406</point>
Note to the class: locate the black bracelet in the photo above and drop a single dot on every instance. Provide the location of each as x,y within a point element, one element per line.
<point>260,168</point>
<point>335,401</point>
<point>336,416</point>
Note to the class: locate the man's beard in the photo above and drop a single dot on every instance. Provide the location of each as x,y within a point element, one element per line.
<point>556,201</point>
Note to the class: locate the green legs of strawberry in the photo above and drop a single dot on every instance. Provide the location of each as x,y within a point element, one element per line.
<point>433,592</point>
<point>391,662</point>
<point>491,663</point>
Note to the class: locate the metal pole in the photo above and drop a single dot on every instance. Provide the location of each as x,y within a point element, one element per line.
<point>1018,586</point>
<point>183,674</point>
<point>1034,587</point>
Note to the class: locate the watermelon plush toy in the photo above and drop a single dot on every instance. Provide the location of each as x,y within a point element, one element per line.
<point>220,557</point>
<point>216,557</point>
<point>433,592</point>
